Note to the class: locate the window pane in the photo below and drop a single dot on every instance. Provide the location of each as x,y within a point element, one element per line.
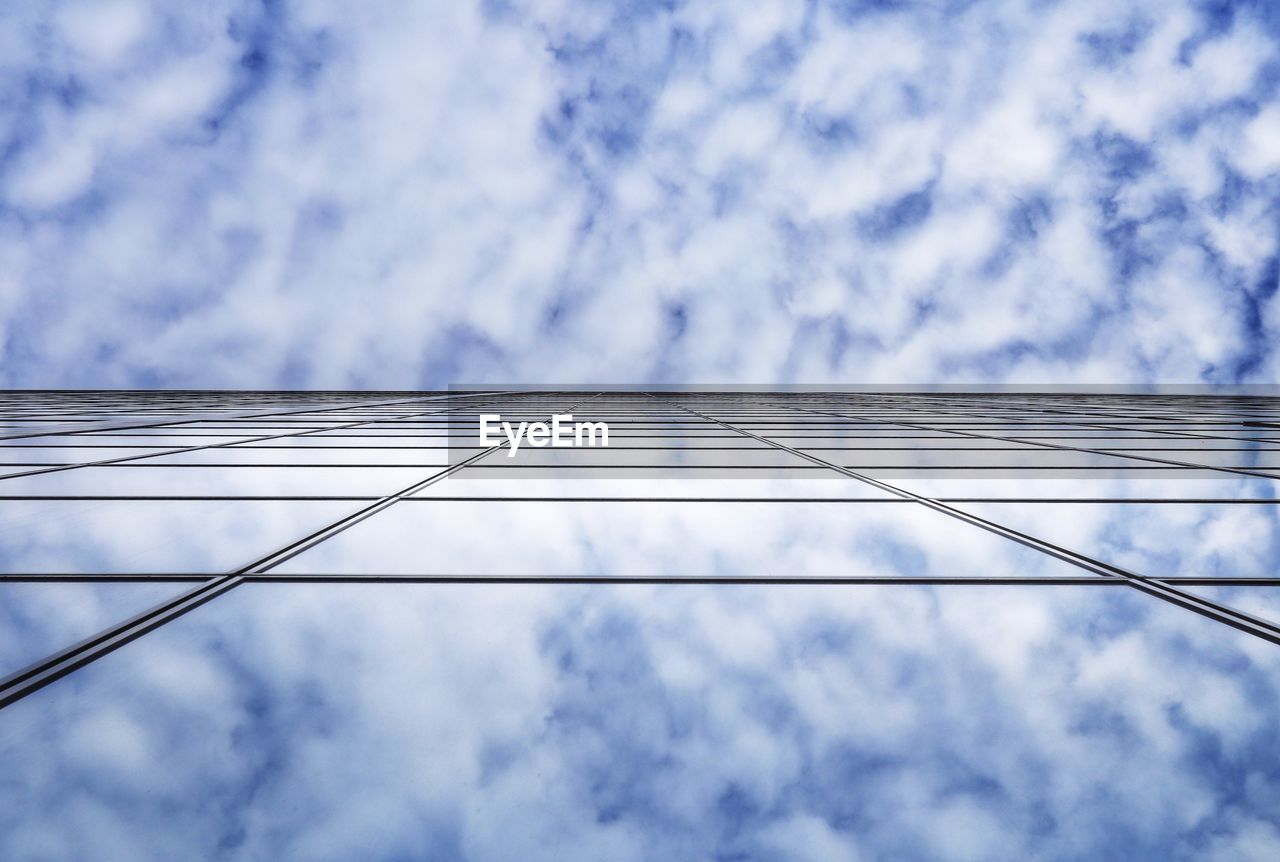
<point>686,538</point>
<point>1187,539</point>
<point>37,619</point>
<point>197,481</point>
<point>146,536</point>
<point>652,723</point>
<point>641,485</point>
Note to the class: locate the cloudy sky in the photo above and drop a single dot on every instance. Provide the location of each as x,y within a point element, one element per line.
<point>411,195</point>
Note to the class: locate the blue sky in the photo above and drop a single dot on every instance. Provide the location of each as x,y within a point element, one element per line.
<point>307,195</point>
<point>392,195</point>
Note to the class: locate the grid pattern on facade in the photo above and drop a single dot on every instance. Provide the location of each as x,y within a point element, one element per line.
<point>214,490</point>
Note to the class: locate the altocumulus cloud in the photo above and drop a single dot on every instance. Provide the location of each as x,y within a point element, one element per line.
<point>622,722</point>
<point>639,723</point>
<point>287,194</point>
<point>406,195</point>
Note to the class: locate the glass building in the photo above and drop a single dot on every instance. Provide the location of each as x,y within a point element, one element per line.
<point>755,625</point>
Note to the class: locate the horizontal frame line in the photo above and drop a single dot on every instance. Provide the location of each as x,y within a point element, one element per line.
<point>833,580</point>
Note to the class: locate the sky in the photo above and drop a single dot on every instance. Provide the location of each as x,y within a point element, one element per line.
<point>315,195</point>
<point>379,195</point>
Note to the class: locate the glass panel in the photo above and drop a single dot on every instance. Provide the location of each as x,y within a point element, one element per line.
<point>701,474</point>
<point>1180,445</point>
<point>330,442</point>
<point>199,481</point>
<point>626,538</point>
<point>38,619</point>
<point>855,443</point>
<point>1261,602</point>
<point>49,455</point>
<point>234,456</point>
<point>1238,459</point>
<point>298,722</point>
<point>247,429</point>
<point>957,459</point>
<point>167,437</point>
<point>859,433</point>
<point>623,442</point>
<point>1176,485</point>
<point>665,457</point>
<point>1165,539</point>
<point>16,470</point>
<point>348,435</point>
<point>136,536</point>
<point>642,485</point>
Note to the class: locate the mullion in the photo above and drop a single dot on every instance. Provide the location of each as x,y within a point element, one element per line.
<point>1082,424</point>
<point>34,677</point>
<point>1152,586</point>
<point>351,578</point>
<point>54,432</point>
<point>1243,471</point>
<point>110,462</point>
<point>756,412</point>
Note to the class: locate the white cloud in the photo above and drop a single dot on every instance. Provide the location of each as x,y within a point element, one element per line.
<point>103,32</point>
<point>387,184</point>
<point>1260,154</point>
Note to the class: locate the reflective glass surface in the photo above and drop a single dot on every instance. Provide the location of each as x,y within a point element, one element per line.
<point>41,618</point>
<point>323,704</point>
<point>151,536</point>
<point>155,478</point>
<point>480,722</point>
<point>676,538</point>
<point>1156,539</point>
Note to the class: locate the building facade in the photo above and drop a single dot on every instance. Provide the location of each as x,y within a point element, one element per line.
<point>1032,522</point>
